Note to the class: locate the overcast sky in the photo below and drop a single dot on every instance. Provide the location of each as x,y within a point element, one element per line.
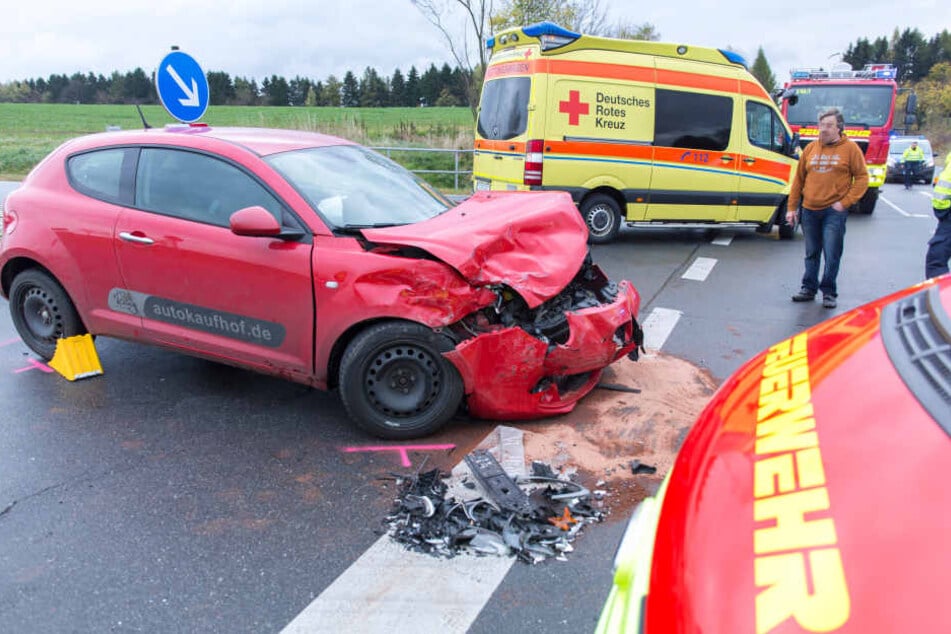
<point>314,38</point>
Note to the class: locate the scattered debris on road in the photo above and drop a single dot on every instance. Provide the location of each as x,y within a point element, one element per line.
<point>533,517</point>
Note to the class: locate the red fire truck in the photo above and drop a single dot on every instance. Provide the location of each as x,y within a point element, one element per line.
<point>867,100</point>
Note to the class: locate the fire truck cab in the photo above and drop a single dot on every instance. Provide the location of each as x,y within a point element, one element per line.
<point>867,100</point>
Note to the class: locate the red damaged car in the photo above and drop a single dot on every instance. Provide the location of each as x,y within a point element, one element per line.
<point>812,493</point>
<point>315,259</point>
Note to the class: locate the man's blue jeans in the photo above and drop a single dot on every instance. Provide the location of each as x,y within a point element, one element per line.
<point>825,236</point>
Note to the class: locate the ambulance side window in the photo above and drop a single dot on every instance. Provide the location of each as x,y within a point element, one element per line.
<point>763,127</point>
<point>692,120</point>
<point>503,113</point>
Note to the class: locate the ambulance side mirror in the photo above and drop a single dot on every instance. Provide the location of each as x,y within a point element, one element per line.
<point>792,149</point>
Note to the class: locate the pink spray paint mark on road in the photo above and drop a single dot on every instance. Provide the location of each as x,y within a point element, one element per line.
<point>35,365</point>
<point>402,449</point>
<point>9,342</point>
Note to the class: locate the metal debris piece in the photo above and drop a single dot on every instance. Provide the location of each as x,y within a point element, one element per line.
<point>543,470</point>
<point>637,467</point>
<point>574,490</point>
<point>426,519</point>
<point>619,388</point>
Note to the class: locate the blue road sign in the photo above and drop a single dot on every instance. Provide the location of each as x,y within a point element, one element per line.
<point>182,87</point>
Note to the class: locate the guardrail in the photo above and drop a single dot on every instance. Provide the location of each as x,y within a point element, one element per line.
<point>456,171</point>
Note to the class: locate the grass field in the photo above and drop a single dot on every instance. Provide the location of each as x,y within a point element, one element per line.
<point>28,132</point>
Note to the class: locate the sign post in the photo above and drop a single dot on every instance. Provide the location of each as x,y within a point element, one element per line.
<point>182,87</point>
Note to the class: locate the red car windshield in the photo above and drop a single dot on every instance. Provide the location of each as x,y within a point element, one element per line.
<point>351,186</point>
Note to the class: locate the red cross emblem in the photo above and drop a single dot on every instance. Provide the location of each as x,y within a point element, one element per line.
<point>574,107</point>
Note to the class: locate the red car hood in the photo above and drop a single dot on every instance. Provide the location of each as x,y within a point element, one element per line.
<point>812,492</point>
<point>533,242</point>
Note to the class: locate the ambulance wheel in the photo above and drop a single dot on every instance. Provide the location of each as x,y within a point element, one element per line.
<point>42,312</point>
<point>602,217</point>
<point>395,383</point>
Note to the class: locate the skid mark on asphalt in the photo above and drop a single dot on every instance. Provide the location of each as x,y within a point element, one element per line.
<point>700,269</point>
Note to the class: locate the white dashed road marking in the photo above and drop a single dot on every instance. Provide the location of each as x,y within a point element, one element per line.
<point>900,210</point>
<point>394,590</point>
<point>926,194</point>
<point>700,269</point>
<point>723,240</point>
<point>658,326</point>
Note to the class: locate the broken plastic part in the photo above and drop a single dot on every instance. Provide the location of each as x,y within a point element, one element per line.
<point>637,467</point>
<point>497,484</point>
<point>577,491</point>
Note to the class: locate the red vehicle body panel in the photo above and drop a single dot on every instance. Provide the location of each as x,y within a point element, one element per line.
<point>811,496</point>
<point>315,294</point>
<point>537,252</point>
<point>517,362</point>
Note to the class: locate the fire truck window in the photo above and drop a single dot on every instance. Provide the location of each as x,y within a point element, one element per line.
<point>503,113</point>
<point>860,105</point>
<point>692,120</point>
<point>764,128</point>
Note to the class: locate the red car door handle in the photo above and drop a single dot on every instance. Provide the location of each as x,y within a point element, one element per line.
<point>749,161</point>
<point>128,237</point>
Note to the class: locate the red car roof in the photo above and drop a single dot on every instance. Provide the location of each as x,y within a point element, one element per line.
<point>261,141</point>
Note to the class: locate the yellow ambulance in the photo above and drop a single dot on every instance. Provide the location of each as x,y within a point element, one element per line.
<point>637,132</point>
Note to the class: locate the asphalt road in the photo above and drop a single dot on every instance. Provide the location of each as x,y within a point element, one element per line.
<point>176,495</point>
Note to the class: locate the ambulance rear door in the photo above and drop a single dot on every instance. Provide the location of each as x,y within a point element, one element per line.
<point>507,115</point>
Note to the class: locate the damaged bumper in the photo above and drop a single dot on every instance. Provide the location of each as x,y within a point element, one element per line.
<point>509,373</point>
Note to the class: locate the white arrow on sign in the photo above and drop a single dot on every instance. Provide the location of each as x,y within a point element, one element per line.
<point>191,96</point>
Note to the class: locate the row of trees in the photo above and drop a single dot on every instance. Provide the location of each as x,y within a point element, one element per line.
<point>438,87</point>
<point>914,55</point>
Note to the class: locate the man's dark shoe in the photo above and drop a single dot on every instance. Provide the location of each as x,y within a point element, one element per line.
<point>804,295</point>
<point>828,301</point>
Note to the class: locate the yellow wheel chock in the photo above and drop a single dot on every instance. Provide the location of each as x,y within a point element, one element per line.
<point>76,358</point>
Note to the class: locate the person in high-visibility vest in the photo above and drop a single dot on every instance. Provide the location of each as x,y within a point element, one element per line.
<point>912,158</point>
<point>939,246</point>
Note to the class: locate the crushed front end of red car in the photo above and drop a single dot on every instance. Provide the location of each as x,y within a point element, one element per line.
<point>556,320</point>
<point>529,363</point>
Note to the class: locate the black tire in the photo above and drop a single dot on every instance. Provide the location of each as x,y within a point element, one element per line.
<point>866,204</point>
<point>602,217</point>
<point>42,312</point>
<point>395,384</point>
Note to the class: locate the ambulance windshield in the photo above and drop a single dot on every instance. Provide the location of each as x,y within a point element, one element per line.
<point>503,112</point>
<point>867,106</point>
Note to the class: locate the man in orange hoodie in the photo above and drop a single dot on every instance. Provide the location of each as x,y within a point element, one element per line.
<point>831,177</point>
